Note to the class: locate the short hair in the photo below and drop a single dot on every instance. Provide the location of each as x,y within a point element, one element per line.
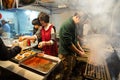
<point>76,14</point>
<point>44,17</point>
<point>3,21</point>
<point>83,16</point>
<point>36,22</point>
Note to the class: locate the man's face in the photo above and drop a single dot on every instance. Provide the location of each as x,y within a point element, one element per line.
<point>3,22</point>
<point>76,19</point>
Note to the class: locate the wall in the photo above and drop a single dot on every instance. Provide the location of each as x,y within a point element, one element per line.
<point>11,18</point>
<point>25,18</point>
<point>20,19</point>
<point>58,17</point>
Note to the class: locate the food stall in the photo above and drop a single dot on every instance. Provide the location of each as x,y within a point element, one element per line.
<point>104,56</point>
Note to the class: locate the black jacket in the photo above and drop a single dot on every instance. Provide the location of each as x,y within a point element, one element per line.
<point>6,54</point>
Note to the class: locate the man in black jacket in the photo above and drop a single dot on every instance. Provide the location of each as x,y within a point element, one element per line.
<point>6,54</point>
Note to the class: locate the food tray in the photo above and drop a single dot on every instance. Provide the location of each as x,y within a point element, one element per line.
<point>39,64</point>
<point>24,45</point>
<point>22,55</point>
<point>9,42</point>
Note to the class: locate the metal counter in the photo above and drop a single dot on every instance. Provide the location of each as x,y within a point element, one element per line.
<point>24,72</point>
<point>16,68</point>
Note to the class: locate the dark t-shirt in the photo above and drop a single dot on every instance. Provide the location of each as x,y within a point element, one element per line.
<point>6,54</point>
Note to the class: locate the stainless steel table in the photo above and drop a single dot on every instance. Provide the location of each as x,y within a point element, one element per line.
<point>24,72</point>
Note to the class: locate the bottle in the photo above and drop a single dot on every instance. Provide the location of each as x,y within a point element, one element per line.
<point>28,42</point>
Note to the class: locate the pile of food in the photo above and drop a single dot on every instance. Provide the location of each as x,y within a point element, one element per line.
<point>24,44</point>
<point>24,54</point>
<point>20,43</point>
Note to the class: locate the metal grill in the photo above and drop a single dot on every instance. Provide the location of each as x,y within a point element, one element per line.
<point>96,72</point>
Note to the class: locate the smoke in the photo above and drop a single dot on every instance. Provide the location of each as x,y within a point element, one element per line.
<point>104,16</point>
<point>99,46</point>
<point>115,25</point>
<point>100,12</point>
<point>104,21</point>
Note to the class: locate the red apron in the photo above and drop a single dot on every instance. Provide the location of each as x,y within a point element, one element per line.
<point>46,36</point>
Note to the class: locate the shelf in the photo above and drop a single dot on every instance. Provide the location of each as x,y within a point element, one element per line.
<point>39,4</point>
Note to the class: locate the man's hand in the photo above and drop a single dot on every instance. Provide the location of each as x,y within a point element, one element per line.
<point>81,53</point>
<point>21,38</point>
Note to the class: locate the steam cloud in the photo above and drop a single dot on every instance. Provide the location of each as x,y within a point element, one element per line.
<point>104,20</point>
<point>101,12</point>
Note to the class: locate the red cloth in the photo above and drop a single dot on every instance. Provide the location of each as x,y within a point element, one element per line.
<point>46,36</point>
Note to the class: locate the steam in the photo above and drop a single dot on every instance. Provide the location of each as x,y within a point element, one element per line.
<point>104,18</point>
<point>100,12</point>
<point>101,15</point>
<point>104,21</point>
<point>100,48</point>
<point>115,19</point>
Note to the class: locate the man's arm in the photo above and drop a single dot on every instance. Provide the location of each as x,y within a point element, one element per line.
<point>79,47</point>
<point>76,50</point>
<point>6,54</point>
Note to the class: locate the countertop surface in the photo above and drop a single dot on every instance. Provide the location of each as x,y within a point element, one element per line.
<point>20,71</point>
<point>14,67</point>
